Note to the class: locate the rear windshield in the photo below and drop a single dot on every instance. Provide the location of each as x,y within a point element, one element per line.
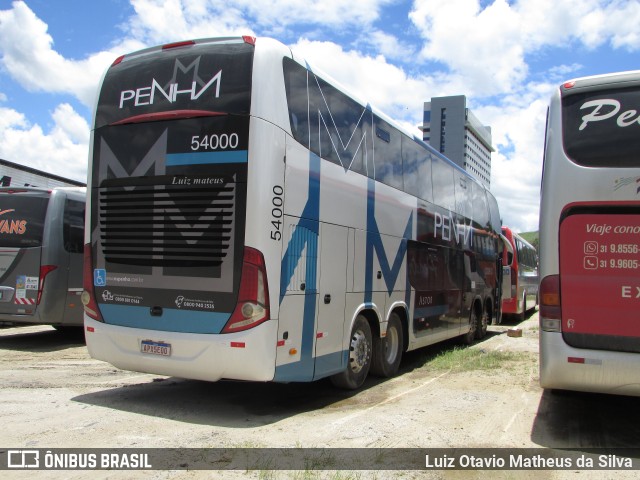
<point>22,220</point>
<point>209,76</point>
<point>602,129</point>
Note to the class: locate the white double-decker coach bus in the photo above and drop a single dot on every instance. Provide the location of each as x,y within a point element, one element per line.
<point>590,237</point>
<point>250,220</point>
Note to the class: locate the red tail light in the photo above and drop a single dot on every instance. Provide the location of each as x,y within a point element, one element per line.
<point>185,43</point>
<point>550,303</point>
<point>88,295</point>
<point>252,307</point>
<point>117,60</point>
<point>44,271</point>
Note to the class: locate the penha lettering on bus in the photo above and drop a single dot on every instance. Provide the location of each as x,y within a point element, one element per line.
<point>147,95</point>
<point>611,107</point>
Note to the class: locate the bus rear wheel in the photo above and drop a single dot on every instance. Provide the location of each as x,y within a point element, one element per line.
<point>387,351</point>
<point>470,336</point>
<point>359,361</point>
<point>483,322</point>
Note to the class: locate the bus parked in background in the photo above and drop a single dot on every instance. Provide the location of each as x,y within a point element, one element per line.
<point>590,237</point>
<point>41,245</point>
<point>520,276</point>
<point>250,220</point>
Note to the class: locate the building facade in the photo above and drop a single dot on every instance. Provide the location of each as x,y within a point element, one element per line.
<point>452,129</point>
<point>15,175</point>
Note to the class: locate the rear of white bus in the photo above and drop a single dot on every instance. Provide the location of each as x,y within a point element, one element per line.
<point>590,237</point>
<point>169,285</point>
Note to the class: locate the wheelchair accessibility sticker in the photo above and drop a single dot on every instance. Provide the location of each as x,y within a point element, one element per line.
<point>100,277</point>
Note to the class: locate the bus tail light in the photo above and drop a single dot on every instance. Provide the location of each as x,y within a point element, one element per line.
<point>252,307</point>
<point>88,293</point>
<point>185,43</point>
<point>550,304</point>
<point>44,271</point>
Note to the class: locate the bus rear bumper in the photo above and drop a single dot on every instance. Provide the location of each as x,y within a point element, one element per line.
<point>600,371</point>
<point>248,355</point>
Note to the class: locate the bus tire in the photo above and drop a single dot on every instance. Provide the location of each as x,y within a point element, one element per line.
<point>483,322</point>
<point>523,316</point>
<point>470,336</point>
<point>387,351</point>
<point>359,360</point>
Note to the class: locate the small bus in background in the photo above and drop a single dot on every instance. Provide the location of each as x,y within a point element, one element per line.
<point>41,243</point>
<point>519,276</point>
<point>590,237</point>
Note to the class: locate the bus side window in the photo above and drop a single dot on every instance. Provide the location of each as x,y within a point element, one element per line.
<point>73,226</point>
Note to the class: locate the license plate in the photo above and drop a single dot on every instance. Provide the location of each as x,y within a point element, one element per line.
<point>155,348</point>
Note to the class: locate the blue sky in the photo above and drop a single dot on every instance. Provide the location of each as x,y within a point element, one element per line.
<point>505,56</point>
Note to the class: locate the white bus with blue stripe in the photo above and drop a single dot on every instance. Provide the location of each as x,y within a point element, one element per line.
<point>250,220</point>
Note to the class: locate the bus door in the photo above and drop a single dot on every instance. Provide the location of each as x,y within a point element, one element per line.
<point>22,218</point>
<point>73,240</point>
<point>507,263</point>
<point>331,305</point>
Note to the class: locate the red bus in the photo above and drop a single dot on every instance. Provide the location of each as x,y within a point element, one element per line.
<point>519,276</point>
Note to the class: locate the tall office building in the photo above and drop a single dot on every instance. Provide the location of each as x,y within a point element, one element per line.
<point>452,129</point>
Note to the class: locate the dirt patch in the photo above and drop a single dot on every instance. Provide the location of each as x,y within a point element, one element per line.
<point>55,395</point>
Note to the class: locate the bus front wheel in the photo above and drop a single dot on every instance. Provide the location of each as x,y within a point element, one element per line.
<point>359,361</point>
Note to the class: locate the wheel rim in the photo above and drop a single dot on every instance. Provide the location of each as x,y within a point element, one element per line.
<point>359,353</point>
<point>391,345</point>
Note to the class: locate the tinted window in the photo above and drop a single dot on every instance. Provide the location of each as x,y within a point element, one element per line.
<point>328,122</point>
<point>388,155</point>
<point>416,169</point>
<point>214,77</point>
<point>73,227</point>
<point>22,220</point>
<point>602,129</point>
<point>480,207</point>
<point>442,175</point>
<point>462,187</point>
<point>494,213</point>
<point>426,266</point>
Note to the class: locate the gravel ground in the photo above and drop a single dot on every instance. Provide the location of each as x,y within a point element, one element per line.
<point>55,396</point>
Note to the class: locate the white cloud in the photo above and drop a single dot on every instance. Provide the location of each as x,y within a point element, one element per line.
<point>517,130</point>
<point>614,21</point>
<point>477,48</point>
<point>34,63</point>
<point>389,46</point>
<point>489,45</point>
<point>337,13</point>
<point>158,21</point>
<point>478,44</point>
<point>62,151</point>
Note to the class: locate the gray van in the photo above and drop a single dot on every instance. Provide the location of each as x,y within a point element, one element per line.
<point>41,254</point>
